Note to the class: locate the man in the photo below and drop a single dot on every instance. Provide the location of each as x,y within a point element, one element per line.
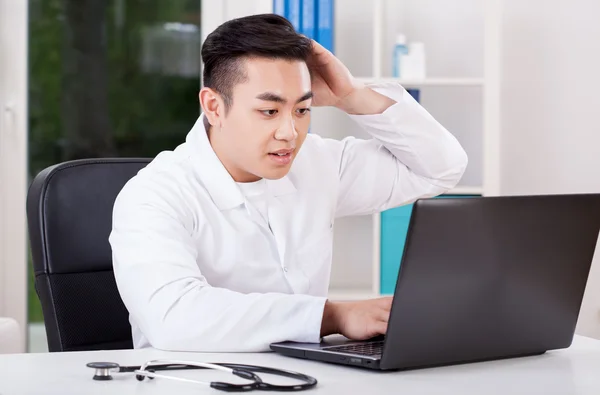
<point>225,243</point>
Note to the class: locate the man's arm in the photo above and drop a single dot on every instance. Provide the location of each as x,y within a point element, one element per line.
<point>365,101</point>
<point>410,155</point>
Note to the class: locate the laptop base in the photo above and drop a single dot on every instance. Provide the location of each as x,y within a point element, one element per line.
<point>310,352</point>
<point>307,351</point>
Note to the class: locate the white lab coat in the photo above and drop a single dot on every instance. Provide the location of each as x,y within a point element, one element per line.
<point>199,270</point>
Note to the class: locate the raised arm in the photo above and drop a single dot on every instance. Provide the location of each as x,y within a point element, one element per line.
<point>410,155</point>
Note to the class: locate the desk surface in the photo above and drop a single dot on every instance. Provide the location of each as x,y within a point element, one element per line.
<point>573,371</point>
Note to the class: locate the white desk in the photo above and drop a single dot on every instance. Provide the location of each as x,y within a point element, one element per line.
<point>574,371</point>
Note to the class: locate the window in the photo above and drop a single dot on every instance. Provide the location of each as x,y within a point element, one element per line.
<point>110,78</point>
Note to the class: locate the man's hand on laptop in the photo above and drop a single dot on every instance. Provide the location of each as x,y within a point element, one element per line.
<point>356,320</point>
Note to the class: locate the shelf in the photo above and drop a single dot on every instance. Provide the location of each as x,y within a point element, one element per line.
<point>465,190</point>
<point>428,81</point>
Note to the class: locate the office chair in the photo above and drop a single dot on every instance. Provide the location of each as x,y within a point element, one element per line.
<point>69,213</point>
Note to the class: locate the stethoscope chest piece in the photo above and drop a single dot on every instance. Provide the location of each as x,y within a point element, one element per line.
<point>103,370</point>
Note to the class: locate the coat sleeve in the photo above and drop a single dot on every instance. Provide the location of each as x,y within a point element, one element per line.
<point>409,156</point>
<point>161,284</point>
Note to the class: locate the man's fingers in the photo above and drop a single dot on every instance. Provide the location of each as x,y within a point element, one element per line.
<point>382,315</point>
<point>381,327</point>
<point>386,303</point>
<point>320,56</point>
<point>318,48</point>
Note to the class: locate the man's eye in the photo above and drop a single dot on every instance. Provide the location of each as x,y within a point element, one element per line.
<point>303,111</point>
<point>269,113</point>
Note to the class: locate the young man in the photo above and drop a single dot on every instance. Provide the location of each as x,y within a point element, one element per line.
<point>225,243</point>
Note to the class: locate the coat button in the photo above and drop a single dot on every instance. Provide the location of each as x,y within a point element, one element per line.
<point>285,269</point>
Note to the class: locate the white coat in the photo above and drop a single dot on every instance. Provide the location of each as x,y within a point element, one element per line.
<point>199,269</point>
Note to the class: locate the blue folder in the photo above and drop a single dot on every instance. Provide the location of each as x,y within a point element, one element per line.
<point>325,23</point>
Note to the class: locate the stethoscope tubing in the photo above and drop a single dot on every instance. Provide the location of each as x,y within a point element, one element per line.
<point>248,372</point>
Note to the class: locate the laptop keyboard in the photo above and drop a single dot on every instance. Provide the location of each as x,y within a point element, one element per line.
<point>369,349</point>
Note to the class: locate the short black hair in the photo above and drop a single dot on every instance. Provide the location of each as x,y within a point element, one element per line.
<point>264,35</point>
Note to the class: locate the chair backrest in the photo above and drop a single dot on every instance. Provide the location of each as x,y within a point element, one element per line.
<point>69,212</point>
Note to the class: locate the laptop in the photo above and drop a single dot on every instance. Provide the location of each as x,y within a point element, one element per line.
<point>481,278</point>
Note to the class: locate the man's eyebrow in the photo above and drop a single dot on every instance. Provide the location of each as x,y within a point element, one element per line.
<point>307,95</point>
<point>270,96</point>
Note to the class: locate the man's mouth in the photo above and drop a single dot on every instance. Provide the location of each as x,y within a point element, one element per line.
<point>282,157</point>
<point>282,152</point>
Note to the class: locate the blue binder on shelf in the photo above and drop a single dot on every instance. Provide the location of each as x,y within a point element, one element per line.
<point>291,10</point>
<point>279,7</point>
<point>308,19</point>
<point>294,13</point>
<point>325,23</point>
<point>313,18</point>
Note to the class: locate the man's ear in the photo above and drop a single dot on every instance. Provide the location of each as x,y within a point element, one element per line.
<point>212,106</point>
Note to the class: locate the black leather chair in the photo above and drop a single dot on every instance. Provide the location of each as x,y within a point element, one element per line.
<point>69,212</point>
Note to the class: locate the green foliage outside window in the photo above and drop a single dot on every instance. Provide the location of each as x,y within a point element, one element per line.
<point>110,78</point>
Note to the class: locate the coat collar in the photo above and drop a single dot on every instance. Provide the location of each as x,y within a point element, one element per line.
<point>221,187</point>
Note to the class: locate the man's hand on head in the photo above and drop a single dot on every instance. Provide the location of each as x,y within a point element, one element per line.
<point>357,320</point>
<point>333,85</point>
<point>331,80</point>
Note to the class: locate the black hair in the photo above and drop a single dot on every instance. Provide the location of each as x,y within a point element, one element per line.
<point>265,35</point>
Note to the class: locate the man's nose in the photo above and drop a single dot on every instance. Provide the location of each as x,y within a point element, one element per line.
<point>286,130</point>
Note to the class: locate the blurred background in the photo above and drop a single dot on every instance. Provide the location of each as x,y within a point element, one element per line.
<point>515,81</point>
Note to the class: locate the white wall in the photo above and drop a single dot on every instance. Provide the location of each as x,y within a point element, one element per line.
<point>550,107</point>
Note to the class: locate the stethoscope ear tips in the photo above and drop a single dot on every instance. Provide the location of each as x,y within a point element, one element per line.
<point>102,370</point>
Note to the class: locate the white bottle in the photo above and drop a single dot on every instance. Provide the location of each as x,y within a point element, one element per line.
<point>413,65</point>
<point>400,51</point>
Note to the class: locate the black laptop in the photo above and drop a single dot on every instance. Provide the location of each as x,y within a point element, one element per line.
<point>481,278</point>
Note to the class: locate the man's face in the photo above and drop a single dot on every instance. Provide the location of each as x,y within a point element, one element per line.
<point>268,121</point>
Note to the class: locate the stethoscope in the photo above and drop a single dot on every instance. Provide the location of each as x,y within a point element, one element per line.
<point>248,372</point>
